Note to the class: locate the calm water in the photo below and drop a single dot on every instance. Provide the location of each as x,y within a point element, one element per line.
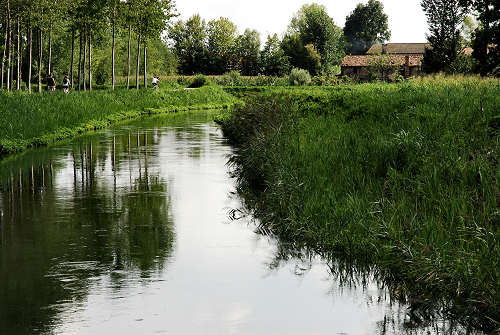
<point>127,231</point>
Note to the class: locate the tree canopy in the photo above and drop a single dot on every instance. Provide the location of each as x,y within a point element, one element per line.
<point>311,26</point>
<point>364,26</point>
<point>444,18</point>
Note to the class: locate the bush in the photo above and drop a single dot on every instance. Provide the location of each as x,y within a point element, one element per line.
<point>325,81</point>
<point>299,77</point>
<point>232,78</point>
<point>463,64</point>
<point>101,73</point>
<point>199,81</point>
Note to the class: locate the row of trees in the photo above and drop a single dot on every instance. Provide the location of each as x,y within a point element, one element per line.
<point>41,37</point>
<point>312,42</point>
<point>447,21</point>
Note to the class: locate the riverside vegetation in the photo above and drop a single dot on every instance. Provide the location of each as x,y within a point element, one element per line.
<point>404,176</point>
<point>28,120</point>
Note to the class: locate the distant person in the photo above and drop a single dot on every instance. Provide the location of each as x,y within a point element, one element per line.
<point>51,83</point>
<point>66,84</point>
<point>155,82</point>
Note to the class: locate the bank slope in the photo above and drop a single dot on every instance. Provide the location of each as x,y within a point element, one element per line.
<point>28,120</point>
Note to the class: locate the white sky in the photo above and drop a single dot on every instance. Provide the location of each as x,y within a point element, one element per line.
<point>406,19</point>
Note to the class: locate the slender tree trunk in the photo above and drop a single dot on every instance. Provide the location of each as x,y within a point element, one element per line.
<point>49,65</point>
<point>113,54</point>
<point>12,59</point>
<point>128,59</point>
<point>145,65</point>
<point>84,58</point>
<point>4,51</point>
<point>72,55</point>
<point>80,62</point>
<point>30,55</point>
<point>18,82</point>
<point>138,62</point>
<point>90,60</point>
<point>40,54</point>
<point>9,45</point>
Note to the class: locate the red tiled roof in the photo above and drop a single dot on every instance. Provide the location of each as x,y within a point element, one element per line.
<point>367,60</point>
<point>398,48</point>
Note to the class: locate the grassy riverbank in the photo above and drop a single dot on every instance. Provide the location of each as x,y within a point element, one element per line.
<point>28,120</point>
<point>405,176</point>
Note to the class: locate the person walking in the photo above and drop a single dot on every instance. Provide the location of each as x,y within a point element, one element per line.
<point>51,83</point>
<point>155,82</point>
<point>66,84</point>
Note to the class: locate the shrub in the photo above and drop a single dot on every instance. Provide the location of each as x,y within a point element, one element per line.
<point>299,77</point>
<point>101,73</point>
<point>199,81</point>
<point>325,81</point>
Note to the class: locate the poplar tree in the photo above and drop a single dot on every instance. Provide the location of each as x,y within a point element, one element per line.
<point>444,18</point>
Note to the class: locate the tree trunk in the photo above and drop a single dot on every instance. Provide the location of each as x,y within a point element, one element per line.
<point>145,65</point>
<point>128,59</point>
<point>72,55</point>
<point>90,60</point>
<point>30,56</point>
<point>12,59</point>
<point>84,57</point>
<point>9,45</point>
<point>49,65</point>
<point>138,62</point>
<point>40,54</point>
<point>113,54</point>
<point>4,51</point>
<point>80,62</point>
<point>18,82</point>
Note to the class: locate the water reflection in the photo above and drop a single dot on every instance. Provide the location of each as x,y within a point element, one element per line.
<point>99,211</point>
<point>401,316</point>
<point>125,231</point>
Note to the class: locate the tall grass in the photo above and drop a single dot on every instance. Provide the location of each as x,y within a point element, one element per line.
<point>403,175</point>
<point>34,119</point>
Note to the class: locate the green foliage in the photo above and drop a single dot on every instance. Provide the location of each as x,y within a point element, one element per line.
<point>189,44</point>
<point>299,77</point>
<point>31,120</point>
<point>381,68</point>
<point>444,18</point>
<point>220,41</point>
<point>366,25</point>
<point>463,64</point>
<point>487,34</point>
<point>199,81</point>
<point>274,61</point>
<point>101,73</point>
<point>312,26</point>
<point>247,53</point>
<point>405,176</point>
<point>232,78</point>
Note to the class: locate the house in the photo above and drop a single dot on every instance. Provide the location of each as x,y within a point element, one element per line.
<point>410,49</point>
<point>386,58</point>
<point>362,67</point>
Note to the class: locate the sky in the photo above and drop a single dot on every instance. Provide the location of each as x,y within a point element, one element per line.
<point>406,19</point>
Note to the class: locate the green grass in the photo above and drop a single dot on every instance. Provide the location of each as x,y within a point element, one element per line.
<point>38,119</point>
<point>405,176</point>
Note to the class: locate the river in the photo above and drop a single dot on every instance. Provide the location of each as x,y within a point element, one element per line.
<point>131,230</point>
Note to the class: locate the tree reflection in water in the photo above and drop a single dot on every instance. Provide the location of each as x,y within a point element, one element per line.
<point>98,214</point>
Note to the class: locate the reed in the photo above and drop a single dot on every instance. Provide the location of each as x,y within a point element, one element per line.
<point>405,176</point>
